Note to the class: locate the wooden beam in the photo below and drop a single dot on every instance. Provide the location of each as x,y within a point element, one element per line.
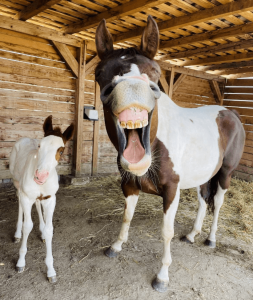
<point>235,71</point>
<point>207,36</point>
<point>239,82</point>
<point>178,82</point>
<point>190,72</point>
<point>206,15</point>
<point>218,59</point>
<point>39,31</point>
<point>227,66</point>
<point>77,155</point>
<point>209,49</point>
<point>172,74</point>
<point>216,91</point>
<point>113,14</point>
<point>67,56</point>
<point>35,8</point>
<point>96,132</point>
<point>91,65</point>
<point>164,84</point>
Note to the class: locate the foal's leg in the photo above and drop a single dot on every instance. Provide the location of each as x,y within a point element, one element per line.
<point>199,219</point>
<point>18,233</point>
<point>26,205</point>
<point>130,204</point>
<point>48,207</point>
<point>218,201</point>
<point>42,223</point>
<point>160,283</point>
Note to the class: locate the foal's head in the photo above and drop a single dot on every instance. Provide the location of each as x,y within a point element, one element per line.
<point>51,148</point>
<point>128,80</point>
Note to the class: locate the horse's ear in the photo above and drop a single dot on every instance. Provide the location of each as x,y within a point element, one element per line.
<point>104,40</point>
<point>47,126</point>
<point>67,134</point>
<point>150,39</point>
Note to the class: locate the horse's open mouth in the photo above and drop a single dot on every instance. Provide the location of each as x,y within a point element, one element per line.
<point>134,127</point>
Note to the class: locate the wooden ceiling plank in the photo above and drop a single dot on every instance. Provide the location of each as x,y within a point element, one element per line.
<point>218,59</point>
<point>206,15</point>
<point>39,31</point>
<point>112,14</point>
<point>221,33</point>
<point>210,49</point>
<point>35,8</point>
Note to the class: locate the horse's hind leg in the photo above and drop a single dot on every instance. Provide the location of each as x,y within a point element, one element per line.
<point>218,201</point>
<point>42,223</point>
<point>199,219</point>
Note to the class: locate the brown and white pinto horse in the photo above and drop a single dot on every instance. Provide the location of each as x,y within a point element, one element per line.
<point>162,147</point>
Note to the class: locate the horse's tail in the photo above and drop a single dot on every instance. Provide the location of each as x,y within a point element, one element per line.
<point>212,187</point>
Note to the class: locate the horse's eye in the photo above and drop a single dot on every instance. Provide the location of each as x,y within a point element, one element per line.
<point>61,152</point>
<point>38,146</point>
<point>98,73</point>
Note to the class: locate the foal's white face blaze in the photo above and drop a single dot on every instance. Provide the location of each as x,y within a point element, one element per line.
<point>47,157</point>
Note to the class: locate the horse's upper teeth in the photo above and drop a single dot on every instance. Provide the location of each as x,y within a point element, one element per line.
<point>132,125</point>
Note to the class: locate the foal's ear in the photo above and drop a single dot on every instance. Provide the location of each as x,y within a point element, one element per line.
<point>150,39</point>
<point>47,126</point>
<point>104,40</point>
<point>67,134</point>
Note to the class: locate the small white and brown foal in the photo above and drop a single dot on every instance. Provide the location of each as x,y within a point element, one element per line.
<point>33,169</point>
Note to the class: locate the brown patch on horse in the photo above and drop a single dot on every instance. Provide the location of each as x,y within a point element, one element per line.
<point>41,197</point>
<point>166,182</point>
<point>111,127</point>
<point>154,124</point>
<point>59,153</point>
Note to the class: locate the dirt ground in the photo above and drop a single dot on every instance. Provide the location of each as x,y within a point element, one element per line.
<point>87,220</point>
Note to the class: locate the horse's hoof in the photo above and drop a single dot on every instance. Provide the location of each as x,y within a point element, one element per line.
<point>185,239</point>
<point>210,244</point>
<point>20,269</point>
<point>110,252</point>
<point>52,279</point>
<point>43,241</point>
<point>160,286</point>
<point>16,240</point>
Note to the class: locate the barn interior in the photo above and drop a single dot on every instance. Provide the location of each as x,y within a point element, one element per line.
<point>48,57</point>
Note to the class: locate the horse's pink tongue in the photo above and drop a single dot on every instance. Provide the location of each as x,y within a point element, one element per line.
<point>134,151</point>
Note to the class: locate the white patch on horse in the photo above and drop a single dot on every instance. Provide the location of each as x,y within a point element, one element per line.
<point>134,71</point>
<point>193,146</point>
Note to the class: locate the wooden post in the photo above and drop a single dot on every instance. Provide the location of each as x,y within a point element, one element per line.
<point>216,92</point>
<point>96,132</point>
<point>77,154</point>
<point>172,74</point>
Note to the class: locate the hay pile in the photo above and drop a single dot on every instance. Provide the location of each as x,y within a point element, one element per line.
<point>235,219</point>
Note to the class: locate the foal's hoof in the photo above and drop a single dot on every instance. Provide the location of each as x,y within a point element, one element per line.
<point>185,239</point>
<point>16,240</point>
<point>160,286</point>
<point>52,279</point>
<point>20,269</point>
<point>110,252</point>
<point>210,244</point>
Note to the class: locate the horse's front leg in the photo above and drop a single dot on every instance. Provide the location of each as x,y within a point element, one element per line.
<point>26,205</point>
<point>18,233</point>
<point>131,199</point>
<point>48,208</point>
<point>170,203</point>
